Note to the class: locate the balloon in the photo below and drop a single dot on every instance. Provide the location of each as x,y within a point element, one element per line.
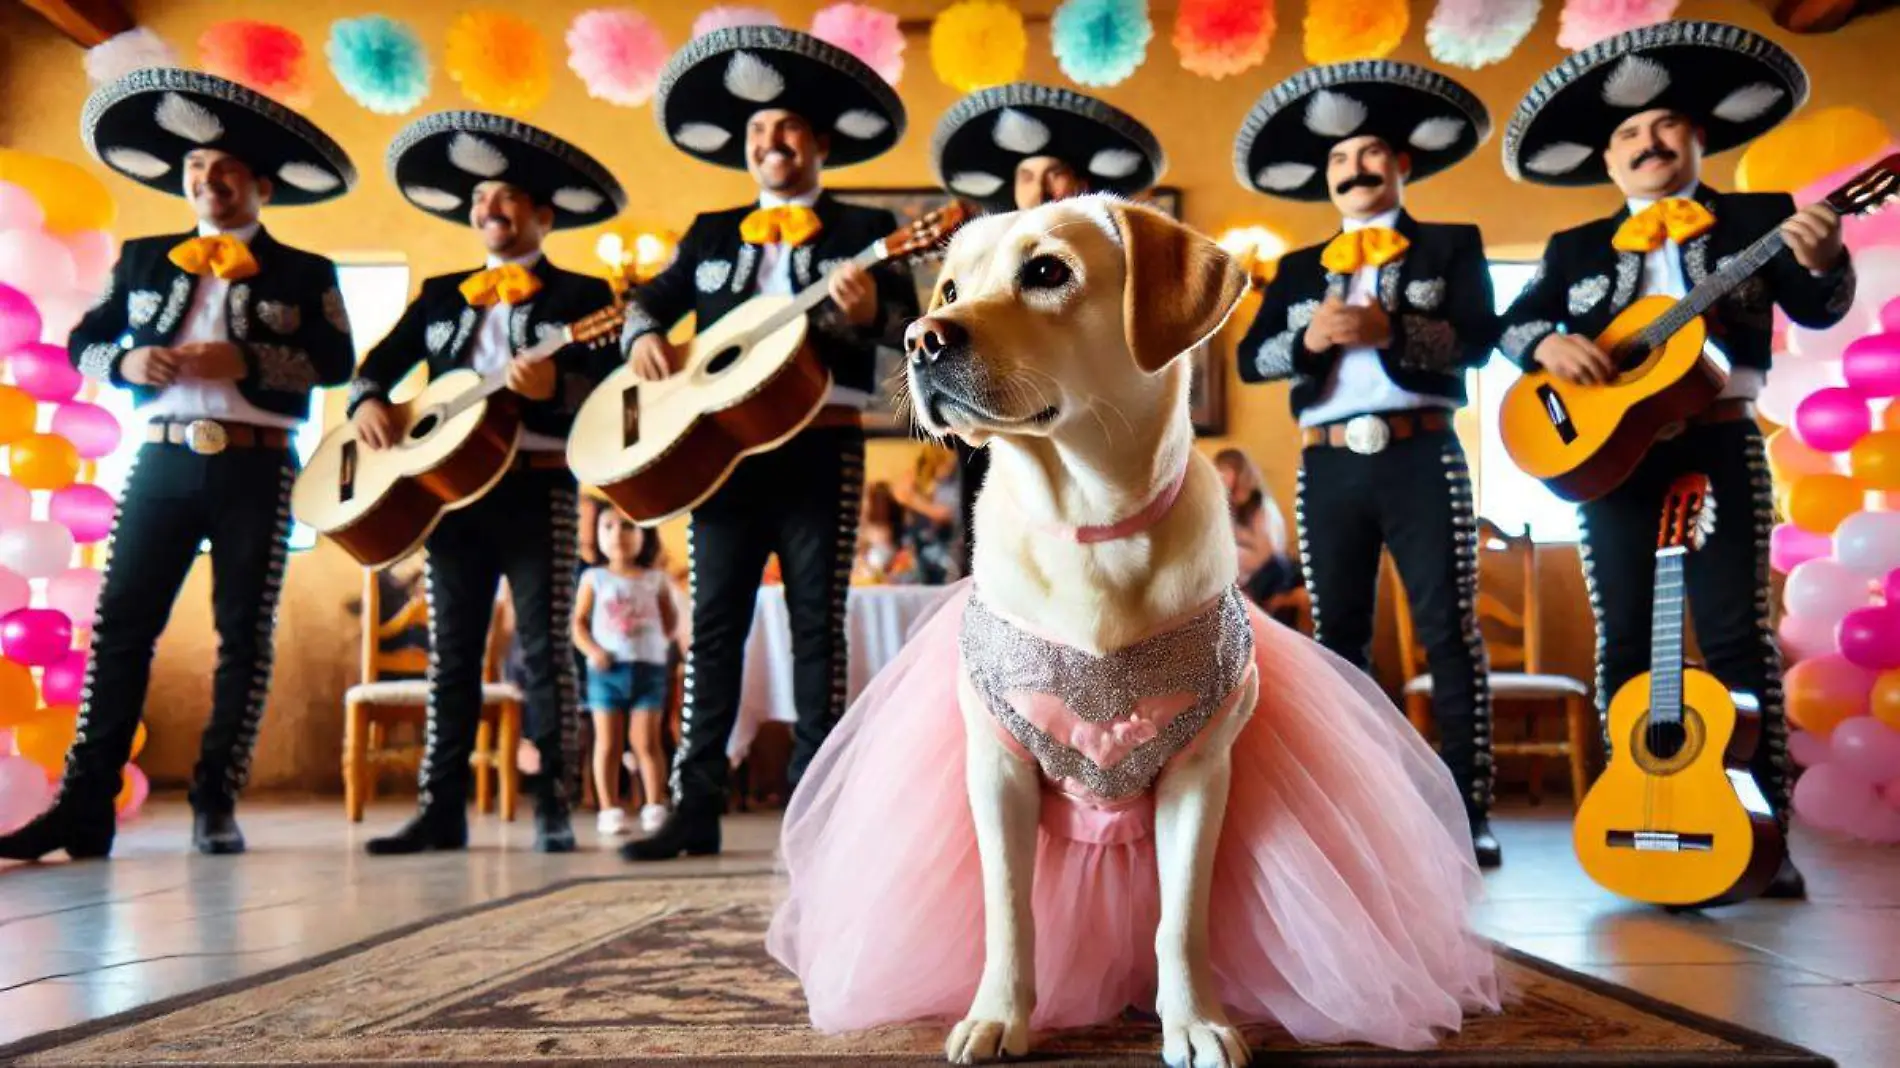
<point>1789,383</point>
<point>1890,587</point>
<point>45,741</point>
<point>1870,637</point>
<point>1879,823</point>
<point>1875,460</point>
<point>1872,365</point>
<point>1831,798</point>
<point>35,262</point>
<point>1868,542</point>
<point>49,462</point>
<point>69,194</point>
<point>1890,415</point>
<point>1818,503</point>
<point>132,794</point>
<point>19,319</point>
<point>18,209</point>
<point>24,792</point>
<point>17,414</point>
<point>93,252</point>
<point>6,741</point>
<point>1789,547</point>
<point>44,373</point>
<point>1825,690</point>
<point>138,741</point>
<point>1832,419</point>
<point>1803,638</point>
<point>1818,145</point>
<point>36,549</point>
<point>19,698</point>
<point>1788,458</point>
<point>35,636</point>
<point>85,510</point>
<point>1806,749</point>
<point>75,592</point>
<point>1890,316</point>
<point>93,431</point>
<point>1866,748</point>
<point>1884,705</point>
<point>1824,590</point>
<point>63,681</point>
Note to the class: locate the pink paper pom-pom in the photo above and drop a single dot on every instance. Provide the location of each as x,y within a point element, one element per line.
<point>1585,22</point>
<point>617,53</point>
<point>721,18</point>
<point>865,32</point>
<point>126,52</point>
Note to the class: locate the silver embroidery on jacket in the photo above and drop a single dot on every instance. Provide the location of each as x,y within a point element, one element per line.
<point>712,275</point>
<point>1589,293</point>
<point>283,319</point>
<point>141,305</point>
<point>1425,294</point>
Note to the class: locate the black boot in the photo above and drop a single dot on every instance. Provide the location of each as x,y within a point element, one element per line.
<point>553,831</point>
<point>80,822</point>
<point>1788,884</point>
<point>1485,844</point>
<point>691,829</point>
<point>436,827</point>
<point>214,831</point>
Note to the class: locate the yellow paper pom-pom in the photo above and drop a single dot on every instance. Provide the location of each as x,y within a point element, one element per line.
<point>1341,30</point>
<point>500,61</point>
<point>975,44</point>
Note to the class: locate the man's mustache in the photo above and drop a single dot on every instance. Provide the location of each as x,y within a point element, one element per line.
<point>1653,152</point>
<point>216,187</point>
<point>777,150</point>
<point>502,219</point>
<point>1358,181</point>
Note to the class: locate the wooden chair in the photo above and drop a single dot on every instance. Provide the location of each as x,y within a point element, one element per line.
<point>374,705</point>
<point>1516,666</point>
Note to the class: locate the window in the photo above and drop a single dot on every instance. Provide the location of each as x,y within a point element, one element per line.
<point>1507,496</point>
<point>374,295</point>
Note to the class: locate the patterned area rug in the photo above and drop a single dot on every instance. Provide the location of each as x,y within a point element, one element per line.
<point>642,971</point>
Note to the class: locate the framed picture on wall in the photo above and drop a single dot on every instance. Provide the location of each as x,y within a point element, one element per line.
<point>1206,393</point>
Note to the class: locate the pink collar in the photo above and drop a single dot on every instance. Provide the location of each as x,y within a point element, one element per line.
<point>1155,511</point>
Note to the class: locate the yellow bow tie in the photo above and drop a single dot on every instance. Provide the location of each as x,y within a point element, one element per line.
<point>219,254</point>
<point>510,283</point>
<point>788,224</point>
<point>1677,219</point>
<point>1373,246</point>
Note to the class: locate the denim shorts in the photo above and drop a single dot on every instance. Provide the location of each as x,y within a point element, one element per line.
<point>626,687</point>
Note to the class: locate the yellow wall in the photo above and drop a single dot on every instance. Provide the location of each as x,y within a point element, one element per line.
<point>42,86</point>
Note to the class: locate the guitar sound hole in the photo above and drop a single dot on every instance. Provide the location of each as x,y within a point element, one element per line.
<point>725,358</point>
<point>1665,740</point>
<point>424,426</point>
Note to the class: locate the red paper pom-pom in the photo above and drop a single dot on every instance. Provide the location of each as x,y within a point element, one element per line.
<point>269,58</point>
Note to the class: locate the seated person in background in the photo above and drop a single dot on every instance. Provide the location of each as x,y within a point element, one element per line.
<point>932,502</point>
<point>1267,575</point>
<point>881,558</point>
<point>402,625</point>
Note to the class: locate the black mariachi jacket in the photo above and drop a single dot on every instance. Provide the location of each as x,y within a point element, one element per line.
<point>287,320</point>
<point>1584,282</point>
<point>716,272</point>
<point>440,326</point>
<point>1438,296</point>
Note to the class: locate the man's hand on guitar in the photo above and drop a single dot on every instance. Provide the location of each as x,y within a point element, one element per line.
<point>1575,359</point>
<point>653,358</point>
<point>855,294</point>
<point>1328,326</point>
<point>377,424</point>
<point>210,361</point>
<point>1813,234</point>
<point>150,366</point>
<point>533,379</point>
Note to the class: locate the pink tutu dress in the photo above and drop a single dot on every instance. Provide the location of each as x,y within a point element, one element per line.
<point>1342,880</point>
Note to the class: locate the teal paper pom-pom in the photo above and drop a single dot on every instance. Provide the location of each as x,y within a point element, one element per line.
<point>379,62</point>
<point>1101,42</point>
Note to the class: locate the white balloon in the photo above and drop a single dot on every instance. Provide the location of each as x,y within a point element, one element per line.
<point>1790,383</point>
<point>1869,543</point>
<point>1824,590</point>
<point>35,263</point>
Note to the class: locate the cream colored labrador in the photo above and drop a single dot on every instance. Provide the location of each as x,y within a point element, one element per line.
<point>1054,339</point>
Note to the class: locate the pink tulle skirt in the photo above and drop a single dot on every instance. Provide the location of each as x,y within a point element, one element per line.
<point>1341,888</point>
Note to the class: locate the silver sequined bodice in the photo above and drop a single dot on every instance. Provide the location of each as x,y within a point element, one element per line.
<point>1098,728</point>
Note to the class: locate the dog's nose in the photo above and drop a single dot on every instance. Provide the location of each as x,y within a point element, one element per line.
<point>929,337</point>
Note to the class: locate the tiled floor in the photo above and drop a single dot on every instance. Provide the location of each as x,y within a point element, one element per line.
<point>79,941</point>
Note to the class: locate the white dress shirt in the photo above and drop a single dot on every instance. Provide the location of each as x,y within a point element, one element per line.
<point>1358,383</point>
<point>197,398</point>
<point>775,280</point>
<point>1663,276</point>
<point>491,350</point>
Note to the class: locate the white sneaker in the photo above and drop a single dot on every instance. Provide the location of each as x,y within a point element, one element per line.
<point>652,817</point>
<point>611,822</point>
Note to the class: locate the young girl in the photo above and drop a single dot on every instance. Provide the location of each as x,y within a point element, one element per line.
<point>624,618</point>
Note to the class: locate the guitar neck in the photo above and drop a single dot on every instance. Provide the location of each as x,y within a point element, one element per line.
<point>1665,638</point>
<point>1714,288</point>
<point>816,293</point>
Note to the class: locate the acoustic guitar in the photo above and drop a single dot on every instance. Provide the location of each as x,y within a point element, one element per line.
<point>1677,819</point>
<point>1584,440</point>
<point>463,429</point>
<point>748,383</point>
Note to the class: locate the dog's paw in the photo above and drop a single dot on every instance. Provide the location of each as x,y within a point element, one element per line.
<point>1194,1041</point>
<point>980,1041</point>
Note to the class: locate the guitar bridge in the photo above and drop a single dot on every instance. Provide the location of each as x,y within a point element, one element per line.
<point>1557,413</point>
<point>1660,841</point>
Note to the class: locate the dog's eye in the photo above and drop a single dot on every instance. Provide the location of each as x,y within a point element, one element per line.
<point>1045,272</point>
<point>949,292</point>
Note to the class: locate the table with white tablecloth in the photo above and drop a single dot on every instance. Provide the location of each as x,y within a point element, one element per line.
<point>878,619</point>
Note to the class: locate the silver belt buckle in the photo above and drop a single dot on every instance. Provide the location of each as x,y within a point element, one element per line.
<point>1367,435</point>
<point>206,437</point>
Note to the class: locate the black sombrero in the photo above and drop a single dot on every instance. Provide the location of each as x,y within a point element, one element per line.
<point>983,137</point>
<point>1736,84</point>
<point>1284,142</point>
<point>145,124</point>
<point>438,160</point>
<point>719,80</point>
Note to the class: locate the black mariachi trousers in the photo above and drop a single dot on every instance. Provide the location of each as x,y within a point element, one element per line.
<point>1414,499</point>
<point>801,501</point>
<point>176,500</point>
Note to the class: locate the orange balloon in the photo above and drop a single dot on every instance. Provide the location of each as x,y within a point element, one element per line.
<point>1818,503</point>
<point>1789,459</point>
<point>1875,460</point>
<point>69,194</point>
<point>19,695</point>
<point>1824,690</point>
<point>17,412</point>
<point>45,741</point>
<point>1808,147</point>
<point>1884,702</point>
<point>1890,416</point>
<point>138,743</point>
<point>125,790</point>
<point>43,462</point>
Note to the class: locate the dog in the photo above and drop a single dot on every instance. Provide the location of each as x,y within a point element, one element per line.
<point>1055,339</point>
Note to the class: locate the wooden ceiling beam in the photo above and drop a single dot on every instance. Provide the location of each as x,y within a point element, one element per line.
<point>87,22</point>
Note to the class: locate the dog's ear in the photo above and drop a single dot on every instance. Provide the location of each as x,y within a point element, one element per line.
<point>1181,287</point>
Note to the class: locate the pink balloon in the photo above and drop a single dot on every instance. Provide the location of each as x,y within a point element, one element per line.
<point>1891,587</point>
<point>1789,547</point>
<point>1789,383</point>
<point>1890,316</point>
<point>15,592</point>
<point>35,637</point>
<point>76,594</point>
<point>93,431</point>
<point>1872,365</point>
<point>60,313</point>
<point>1880,824</point>
<point>1870,637</point>
<point>1866,748</point>
<point>1832,419</point>
<point>37,549</point>
<point>24,792</point>
<point>63,680</point>
<point>19,319</point>
<point>85,510</point>
<point>1807,749</point>
<point>1826,345</point>
<point>1831,798</point>
<point>16,503</point>
<point>6,743</point>
<point>35,261</point>
<point>44,372</point>
<point>19,210</point>
<point>1824,590</point>
<point>1803,638</point>
<point>93,252</point>
<point>141,789</point>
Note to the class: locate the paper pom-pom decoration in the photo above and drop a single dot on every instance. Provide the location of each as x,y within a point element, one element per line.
<point>379,62</point>
<point>1342,30</point>
<point>724,18</point>
<point>1100,42</point>
<point>1585,22</point>
<point>865,32</point>
<point>1478,33</point>
<point>618,53</point>
<point>500,61</point>
<point>123,53</point>
<point>266,57</point>
<point>1217,38</point>
<point>976,44</point>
